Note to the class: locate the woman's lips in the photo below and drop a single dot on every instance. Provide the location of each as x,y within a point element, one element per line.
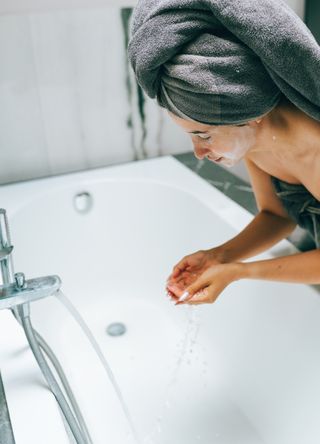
<point>217,160</point>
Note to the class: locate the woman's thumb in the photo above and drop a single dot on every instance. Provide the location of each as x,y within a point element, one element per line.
<point>192,290</point>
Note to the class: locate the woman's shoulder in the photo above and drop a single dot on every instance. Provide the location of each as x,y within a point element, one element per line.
<point>296,113</point>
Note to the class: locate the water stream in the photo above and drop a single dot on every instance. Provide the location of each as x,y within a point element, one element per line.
<point>186,344</point>
<point>78,318</point>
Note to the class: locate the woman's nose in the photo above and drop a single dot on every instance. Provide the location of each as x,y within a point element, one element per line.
<point>200,152</point>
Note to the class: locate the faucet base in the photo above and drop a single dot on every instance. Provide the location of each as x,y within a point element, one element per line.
<point>34,289</point>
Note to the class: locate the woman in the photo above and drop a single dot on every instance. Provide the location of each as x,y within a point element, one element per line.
<point>244,82</point>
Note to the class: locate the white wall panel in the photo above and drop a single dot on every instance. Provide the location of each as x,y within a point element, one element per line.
<point>23,145</point>
<point>68,98</point>
<point>27,6</point>
<point>22,6</point>
<point>298,6</point>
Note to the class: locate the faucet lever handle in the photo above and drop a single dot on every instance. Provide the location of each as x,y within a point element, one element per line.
<point>5,252</point>
<point>20,281</point>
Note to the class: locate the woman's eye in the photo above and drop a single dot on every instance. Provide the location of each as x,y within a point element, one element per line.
<point>204,137</point>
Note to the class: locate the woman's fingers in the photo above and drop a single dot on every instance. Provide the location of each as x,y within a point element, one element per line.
<point>176,290</point>
<point>180,266</point>
<point>173,291</point>
<point>176,271</point>
<point>184,276</point>
<point>182,282</point>
<point>207,287</point>
<point>171,295</point>
<point>192,289</point>
<point>200,297</point>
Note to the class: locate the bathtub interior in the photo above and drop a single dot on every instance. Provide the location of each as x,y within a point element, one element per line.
<point>244,369</point>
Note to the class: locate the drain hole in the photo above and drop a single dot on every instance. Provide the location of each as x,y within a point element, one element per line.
<point>83,202</point>
<point>116,329</point>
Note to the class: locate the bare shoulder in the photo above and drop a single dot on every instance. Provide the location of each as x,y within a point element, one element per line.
<point>263,189</point>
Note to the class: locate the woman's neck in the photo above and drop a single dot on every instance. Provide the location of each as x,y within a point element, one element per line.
<point>286,126</point>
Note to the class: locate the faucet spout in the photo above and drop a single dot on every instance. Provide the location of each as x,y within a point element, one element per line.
<point>15,289</point>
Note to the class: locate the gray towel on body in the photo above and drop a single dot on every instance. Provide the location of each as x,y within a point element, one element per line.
<point>224,61</point>
<point>301,206</point>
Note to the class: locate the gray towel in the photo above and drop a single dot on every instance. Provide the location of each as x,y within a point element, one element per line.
<point>301,206</point>
<point>224,61</point>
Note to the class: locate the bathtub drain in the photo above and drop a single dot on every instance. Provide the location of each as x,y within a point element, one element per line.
<point>116,329</point>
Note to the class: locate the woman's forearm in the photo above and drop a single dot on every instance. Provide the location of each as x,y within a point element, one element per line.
<point>301,268</point>
<point>264,231</point>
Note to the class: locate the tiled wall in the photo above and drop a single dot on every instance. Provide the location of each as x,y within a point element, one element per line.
<point>68,99</point>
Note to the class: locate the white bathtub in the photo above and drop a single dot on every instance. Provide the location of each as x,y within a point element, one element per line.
<point>247,366</point>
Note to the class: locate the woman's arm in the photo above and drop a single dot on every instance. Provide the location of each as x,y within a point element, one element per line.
<point>301,268</point>
<point>268,227</point>
<point>264,231</point>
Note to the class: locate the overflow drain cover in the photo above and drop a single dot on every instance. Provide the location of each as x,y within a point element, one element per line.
<point>116,329</point>
<point>83,202</point>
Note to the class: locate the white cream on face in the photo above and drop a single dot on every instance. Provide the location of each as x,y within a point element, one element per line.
<point>240,141</point>
<point>229,142</point>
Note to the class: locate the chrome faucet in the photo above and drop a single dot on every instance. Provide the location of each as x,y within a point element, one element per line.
<point>16,293</point>
<point>15,289</point>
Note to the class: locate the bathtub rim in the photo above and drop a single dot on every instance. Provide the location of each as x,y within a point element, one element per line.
<point>172,173</point>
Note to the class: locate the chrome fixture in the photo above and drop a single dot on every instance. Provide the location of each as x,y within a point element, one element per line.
<point>16,293</point>
<point>15,290</point>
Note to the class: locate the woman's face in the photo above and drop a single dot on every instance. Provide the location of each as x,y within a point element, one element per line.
<point>225,144</point>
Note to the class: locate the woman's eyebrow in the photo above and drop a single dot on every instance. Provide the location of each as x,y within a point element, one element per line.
<point>197,132</point>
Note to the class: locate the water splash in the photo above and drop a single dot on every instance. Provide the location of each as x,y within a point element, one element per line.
<point>185,355</point>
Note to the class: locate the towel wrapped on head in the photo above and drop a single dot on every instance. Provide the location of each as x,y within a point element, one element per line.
<point>224,62</point>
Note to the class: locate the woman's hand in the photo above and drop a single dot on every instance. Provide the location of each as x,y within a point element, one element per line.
<point>210,284</point>
<point>189,268</point>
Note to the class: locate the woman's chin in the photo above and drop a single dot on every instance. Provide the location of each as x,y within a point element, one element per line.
<point>229,163</point>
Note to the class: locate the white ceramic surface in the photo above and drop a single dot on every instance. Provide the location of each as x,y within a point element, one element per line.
<point>247,367</point>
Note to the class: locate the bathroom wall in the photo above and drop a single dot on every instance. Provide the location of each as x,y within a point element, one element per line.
<point>68,99</point>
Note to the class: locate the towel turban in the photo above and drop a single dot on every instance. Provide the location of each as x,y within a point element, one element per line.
<point>223,62</point>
